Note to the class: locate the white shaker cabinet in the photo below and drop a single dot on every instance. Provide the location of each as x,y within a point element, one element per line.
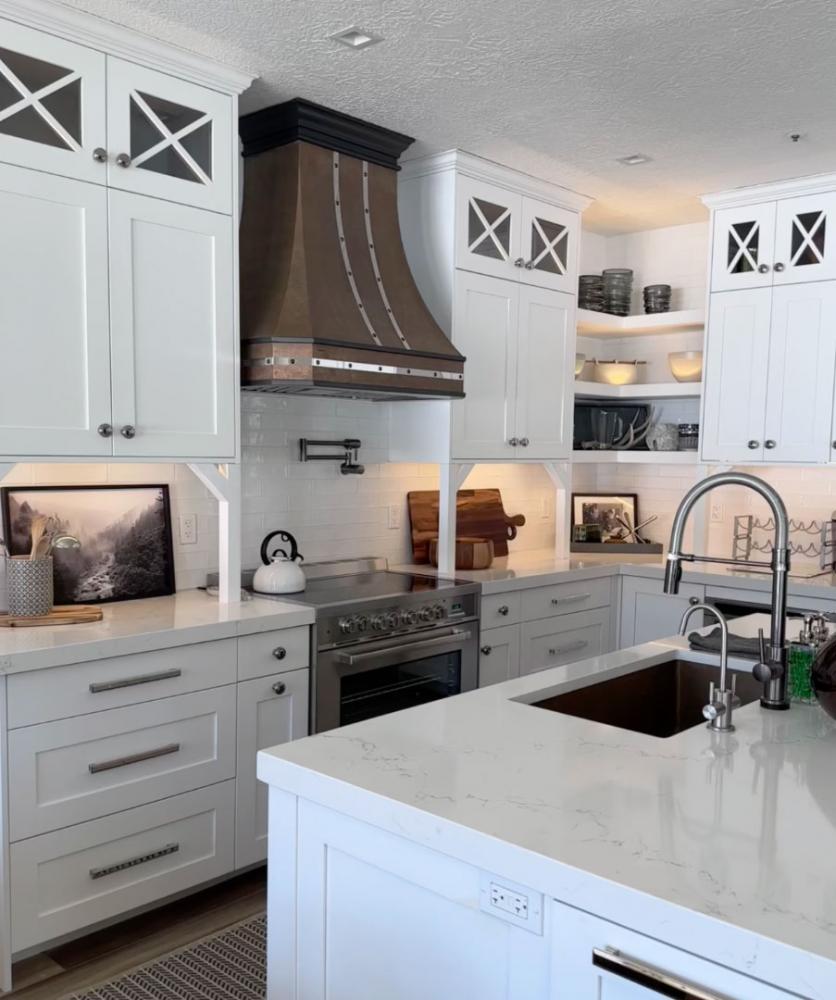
<point>499,654</point>
<point>549,245</point>
<point>175,379</point>
<point>647,613</point>
<point>168,138</point>
<point>488,234</point>
<point>54,335</point>
<point>743,249</point>
<point>52,109</point>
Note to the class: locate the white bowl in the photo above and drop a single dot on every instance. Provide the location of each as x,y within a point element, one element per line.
<point>616,372</point>
<point>686,366</point>
<point>580,361</point>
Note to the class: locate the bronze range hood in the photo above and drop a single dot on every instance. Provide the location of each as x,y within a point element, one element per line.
<point>329,306</point>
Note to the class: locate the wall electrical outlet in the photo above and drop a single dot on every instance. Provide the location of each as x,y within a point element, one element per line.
<point>516,904</point>
<point>509,900</point>
<point>188,529</point>
<point>718,513</point>
<point>394,515</point>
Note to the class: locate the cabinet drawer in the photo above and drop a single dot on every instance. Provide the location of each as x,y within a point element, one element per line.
<point>564,639</point>
<point>70,879</point>
<point>75,770</point>
<point>273,652</point>
<point>61,692</point>
<point>564,598</point>
<point>501,609</point>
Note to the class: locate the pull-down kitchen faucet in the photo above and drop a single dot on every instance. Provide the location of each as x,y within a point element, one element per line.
<point>772,670</point>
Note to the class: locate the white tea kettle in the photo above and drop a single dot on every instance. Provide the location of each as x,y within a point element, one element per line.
<point>280,574</point>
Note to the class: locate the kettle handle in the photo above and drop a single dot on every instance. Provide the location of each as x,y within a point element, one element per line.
<point>285,537</point>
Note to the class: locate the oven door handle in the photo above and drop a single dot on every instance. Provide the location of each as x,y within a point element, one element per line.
<point>403,653</point>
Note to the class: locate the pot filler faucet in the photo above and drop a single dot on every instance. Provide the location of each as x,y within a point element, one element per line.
<point>772,669</point>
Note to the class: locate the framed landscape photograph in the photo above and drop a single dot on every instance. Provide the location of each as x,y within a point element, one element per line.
<point>124,532</point>
<point>602,510</point>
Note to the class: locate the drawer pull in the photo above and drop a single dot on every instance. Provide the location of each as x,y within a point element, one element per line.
<point>127,682</point>
<point>140,859</point>
<point>503,610</point>
<point>280,652</point>
<point>570,598</point>
<point>661,983</point>
<point>134,758</point>
<point>570,647</point>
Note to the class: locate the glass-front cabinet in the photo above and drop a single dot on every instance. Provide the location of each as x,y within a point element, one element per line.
<point>805,229</point>
<point>744,247</point>
<point>52,114</point>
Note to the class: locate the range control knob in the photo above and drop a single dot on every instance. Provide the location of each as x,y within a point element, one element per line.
<point>439,612</point>
<point>346,626</point>
<point>392,620</point>
<point>361,623</point>
<point>410,618</point>
<point>426,614</point>
<point>378,623</point>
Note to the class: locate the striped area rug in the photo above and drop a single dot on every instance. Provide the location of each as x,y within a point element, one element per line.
<point>229,965</point>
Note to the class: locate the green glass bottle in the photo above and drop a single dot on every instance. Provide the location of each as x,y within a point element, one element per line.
<point>801,655</point>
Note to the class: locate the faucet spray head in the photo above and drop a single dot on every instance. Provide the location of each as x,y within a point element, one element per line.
<point>673,573</point>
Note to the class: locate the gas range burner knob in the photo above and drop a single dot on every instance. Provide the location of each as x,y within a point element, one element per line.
<point>410,617</point>
<point>346,626</point>
<point>361,623</point>
<point>439,612</point>
<point>378,623</point>
<point>392,620</point>
<point>426,614</point>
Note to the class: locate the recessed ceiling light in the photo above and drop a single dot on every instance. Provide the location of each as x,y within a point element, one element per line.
<point>356,38</point>
<point>634,159</point>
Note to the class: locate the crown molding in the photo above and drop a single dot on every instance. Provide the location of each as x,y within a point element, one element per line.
<point>116,40</point>
<point>479,168</point>
<point>773,191</point>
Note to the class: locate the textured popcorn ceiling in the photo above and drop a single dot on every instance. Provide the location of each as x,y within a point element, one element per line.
<point>559,88</point>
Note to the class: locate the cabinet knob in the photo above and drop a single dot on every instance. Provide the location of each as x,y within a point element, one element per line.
<point>128,431</point>
<point>123,160</point>
<point>280,652</point>
<point>524,442</point>
<point>693,601</point>
<point>100,155</point>
<point>279,687</point>
<point>513,442</point>
<point>763,268</point>
<point>503,610</point>
<point>519,262</point>
<point>754,444</point>
<point>769,444</point>
<point>486,650</point>
<point>779,267</point>
<point>105,430</point>
<point>529,265</point>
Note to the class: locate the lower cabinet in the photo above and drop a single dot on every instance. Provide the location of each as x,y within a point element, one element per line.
<point>499,655</point>
<point>648,613</point>
<point>271,710</point>
<point>563,639</point>
<point>593,959</point>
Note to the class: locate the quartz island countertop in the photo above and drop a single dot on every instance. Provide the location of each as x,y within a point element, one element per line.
<point>136,626</point>
<point>737,831</point>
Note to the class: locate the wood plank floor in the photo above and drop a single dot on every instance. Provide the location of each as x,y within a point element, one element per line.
<point>107,953</point>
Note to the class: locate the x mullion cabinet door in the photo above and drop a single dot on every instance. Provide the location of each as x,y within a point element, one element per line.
<point>549,246</point>
<point>52,104</point>
<point>805,230</point>
<point>168,138</point>
<point>488,229</point>
<point>743,252</point>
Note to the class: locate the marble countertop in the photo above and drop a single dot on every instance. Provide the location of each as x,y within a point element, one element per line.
<point>738,828</point>
<point>540,567</point>
<point>137,626</point>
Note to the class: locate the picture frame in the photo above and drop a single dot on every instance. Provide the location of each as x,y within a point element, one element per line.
<point>599,510</point>
<point>126,550</point>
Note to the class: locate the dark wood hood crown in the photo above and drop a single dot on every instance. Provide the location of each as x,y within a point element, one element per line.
<point>328,302</point>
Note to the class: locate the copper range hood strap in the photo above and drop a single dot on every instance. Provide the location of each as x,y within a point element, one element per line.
<point>367,214</point>
<point>336,364</point>
<point>349,273</point>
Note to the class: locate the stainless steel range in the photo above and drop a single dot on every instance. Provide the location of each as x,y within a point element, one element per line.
<point>384,641</point>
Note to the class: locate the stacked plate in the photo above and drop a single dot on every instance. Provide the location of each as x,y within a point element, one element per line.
<point>618,290</point>
<point>591,292</point>
<point>657,298</point>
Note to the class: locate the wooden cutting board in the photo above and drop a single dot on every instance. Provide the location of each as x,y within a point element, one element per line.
<point>61,614</point>
<point>480,514</point>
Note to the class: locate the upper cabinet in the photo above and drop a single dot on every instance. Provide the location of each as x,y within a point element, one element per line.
<point>168,138</point>
<point>505,234</point>
<point>117,249</point>
<point>494,254</point>
<point>774,242</point>
<point>52,106</point>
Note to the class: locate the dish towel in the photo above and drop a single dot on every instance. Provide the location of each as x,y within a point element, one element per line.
<point>738,645</point>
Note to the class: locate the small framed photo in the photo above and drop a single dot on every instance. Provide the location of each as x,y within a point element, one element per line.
<point>124,535</point>
<point>594,513</point>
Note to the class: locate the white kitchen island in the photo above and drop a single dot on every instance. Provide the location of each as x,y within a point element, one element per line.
<point>483,847</point>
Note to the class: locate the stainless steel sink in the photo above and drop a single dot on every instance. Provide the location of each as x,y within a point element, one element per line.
<point>660,700</point>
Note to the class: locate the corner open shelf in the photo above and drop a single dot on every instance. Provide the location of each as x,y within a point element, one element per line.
<point>650,390</point>
<point>636,457</point>
<point>597,324</point>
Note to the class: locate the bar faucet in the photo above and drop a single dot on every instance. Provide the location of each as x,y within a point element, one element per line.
<point>772,668</point>
<point>721,701</point>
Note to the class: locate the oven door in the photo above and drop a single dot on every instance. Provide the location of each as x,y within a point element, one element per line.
<point>372,678</point>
